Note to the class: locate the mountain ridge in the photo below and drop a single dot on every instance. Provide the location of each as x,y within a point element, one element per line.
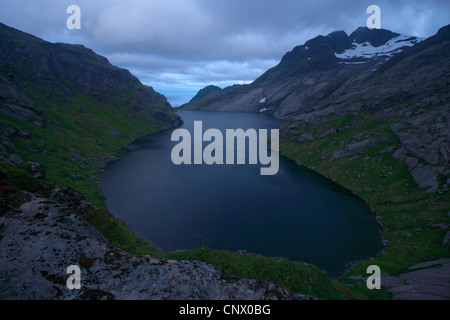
<point>69,109</point>
<point>303,94</point>
<point>302,74</point>
<point>58,68</point>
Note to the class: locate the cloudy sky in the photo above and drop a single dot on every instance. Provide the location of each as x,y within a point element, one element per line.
<point>180,46</point>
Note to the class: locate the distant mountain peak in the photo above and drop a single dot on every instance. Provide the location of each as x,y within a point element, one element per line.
<point>204,92</point>
<point>324,70</point>
<point>361,46</point>
<point>376,37</point>
<point>369,44</point>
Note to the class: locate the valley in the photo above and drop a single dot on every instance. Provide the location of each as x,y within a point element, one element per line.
<point>369,111</point>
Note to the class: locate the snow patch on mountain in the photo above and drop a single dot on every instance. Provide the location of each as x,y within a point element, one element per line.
<point>367,51</point>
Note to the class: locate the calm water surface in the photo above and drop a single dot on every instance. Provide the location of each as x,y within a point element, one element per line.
<point>296,214</point>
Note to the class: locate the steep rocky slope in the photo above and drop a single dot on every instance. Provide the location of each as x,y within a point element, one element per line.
<point>386,138</point>
<point>59,71</point>
<point>69,109</point>
<point>398,78</point>
<point>410,91</point>
<point>306,76</point>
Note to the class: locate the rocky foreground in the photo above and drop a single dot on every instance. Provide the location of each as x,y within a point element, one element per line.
<point>41,236</point>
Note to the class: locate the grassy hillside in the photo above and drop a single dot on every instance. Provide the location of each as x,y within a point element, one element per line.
<point>300,278</point>
<point>81,136</point>
<point>410,215</point>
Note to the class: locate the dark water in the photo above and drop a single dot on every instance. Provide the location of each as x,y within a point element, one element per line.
<point>297,213</point>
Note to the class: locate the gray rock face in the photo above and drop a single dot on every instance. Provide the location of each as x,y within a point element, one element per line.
<point>41,238</point>
<point>307,77</point>
<point>425,281</point>
<point>425,146</point>
<point>446,241</point>
<point>354,149</point>
<point>36,170</point>
<point>426,177</point>
<point>425,136</point>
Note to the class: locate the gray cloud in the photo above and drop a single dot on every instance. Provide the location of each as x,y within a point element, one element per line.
<point>186,44</point>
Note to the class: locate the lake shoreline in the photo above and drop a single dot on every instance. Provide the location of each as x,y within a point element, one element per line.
<point>377,216</point>
<point>306,224</point>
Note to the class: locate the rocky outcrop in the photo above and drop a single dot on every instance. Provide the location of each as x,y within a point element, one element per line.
<point>41,237</point>
<point>354,149</point>
<point>425,281</point>
<point>425,146</point>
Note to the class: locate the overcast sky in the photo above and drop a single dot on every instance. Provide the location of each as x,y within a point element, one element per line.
<point>180,46</point>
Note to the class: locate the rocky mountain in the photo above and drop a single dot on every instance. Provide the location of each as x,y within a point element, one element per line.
<point>204,92</point>
<point>410,90</point>
<point>60,71</point>
<point>69,109</point>
<point>309,73</point>
<point>330,77</point>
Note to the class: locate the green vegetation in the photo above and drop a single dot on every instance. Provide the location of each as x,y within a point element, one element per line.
<point>82,134</point>
<point>79,139</point>
<point>22,179</point>
<point>111,227</point>
<point>409,214</point>
<point>302,279</point>
<point>118,233</point>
